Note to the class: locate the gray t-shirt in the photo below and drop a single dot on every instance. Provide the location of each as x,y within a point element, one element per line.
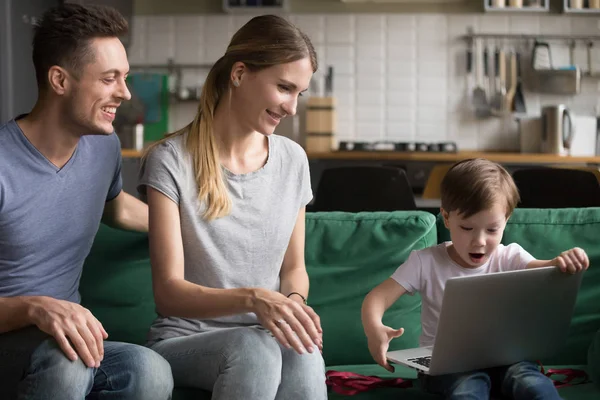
<point>243,249</point>
<point>49,216</point>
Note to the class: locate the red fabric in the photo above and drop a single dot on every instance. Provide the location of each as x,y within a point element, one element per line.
<point>569,376</point>
<point>349,383</point>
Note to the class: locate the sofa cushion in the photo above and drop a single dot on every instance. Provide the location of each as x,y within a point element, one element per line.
<point>116,284</point>
<point>347,255</point>
<point>594,359</point>
<point>545,233</point>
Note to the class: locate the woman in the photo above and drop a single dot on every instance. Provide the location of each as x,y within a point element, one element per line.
<point>227,201</point>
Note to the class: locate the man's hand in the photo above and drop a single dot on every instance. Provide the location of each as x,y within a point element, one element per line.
<point>379,339</point>
<point>572,261</point>
<point>74,327</point>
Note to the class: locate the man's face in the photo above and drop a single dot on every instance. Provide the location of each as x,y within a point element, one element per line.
<point>93,99</point>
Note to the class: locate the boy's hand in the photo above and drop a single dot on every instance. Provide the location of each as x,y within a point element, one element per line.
<point>572,260</point>
<point>379,341</point>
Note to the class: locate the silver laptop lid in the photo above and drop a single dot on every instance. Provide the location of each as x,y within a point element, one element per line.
<point>502,318</point>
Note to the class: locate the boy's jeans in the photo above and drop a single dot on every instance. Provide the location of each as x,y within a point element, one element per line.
<point>521,381</point>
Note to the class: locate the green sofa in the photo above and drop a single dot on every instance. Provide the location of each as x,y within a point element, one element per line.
<point>346,256</point>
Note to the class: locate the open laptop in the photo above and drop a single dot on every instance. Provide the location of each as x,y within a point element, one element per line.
<point>497,319</point>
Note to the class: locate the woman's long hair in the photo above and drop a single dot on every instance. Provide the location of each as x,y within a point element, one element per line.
<point>262,42</point>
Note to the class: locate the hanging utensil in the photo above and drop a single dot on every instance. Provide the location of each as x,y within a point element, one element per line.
<point>541,57</point>
<point>589,57</point>
<point>500,72</point>
<point>479,97</point>
<point>510,94</point>
<point>519,100</point>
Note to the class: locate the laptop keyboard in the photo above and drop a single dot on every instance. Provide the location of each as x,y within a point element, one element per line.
<point>424,361</point>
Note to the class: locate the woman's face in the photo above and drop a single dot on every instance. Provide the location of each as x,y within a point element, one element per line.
<point>261,99</point>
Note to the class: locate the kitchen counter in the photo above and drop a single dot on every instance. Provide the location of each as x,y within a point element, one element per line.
<point>500,157</point>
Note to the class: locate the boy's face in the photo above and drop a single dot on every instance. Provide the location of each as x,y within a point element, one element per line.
<point>475,238</point>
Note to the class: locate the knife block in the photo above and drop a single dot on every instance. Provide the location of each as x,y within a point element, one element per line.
<point>321,124</point>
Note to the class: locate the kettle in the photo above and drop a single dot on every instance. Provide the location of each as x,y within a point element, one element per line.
<point>558,130</point>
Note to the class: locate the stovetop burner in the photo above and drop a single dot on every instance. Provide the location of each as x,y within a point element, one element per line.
<point>431,147</point>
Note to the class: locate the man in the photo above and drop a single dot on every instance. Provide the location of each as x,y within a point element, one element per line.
<point>60,175</point>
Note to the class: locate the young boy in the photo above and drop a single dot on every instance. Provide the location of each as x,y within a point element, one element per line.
<point>478,197</point>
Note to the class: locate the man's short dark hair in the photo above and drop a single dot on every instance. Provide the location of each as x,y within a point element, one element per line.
<point>63,35</point>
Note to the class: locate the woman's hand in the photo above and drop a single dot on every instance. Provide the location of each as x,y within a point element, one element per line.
<point>293,324</point>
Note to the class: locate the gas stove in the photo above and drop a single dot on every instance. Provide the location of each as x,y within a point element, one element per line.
<point>431,147</point>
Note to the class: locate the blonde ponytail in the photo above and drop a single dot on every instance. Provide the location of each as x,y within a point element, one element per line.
<point>204,152</point>
<point>203,149</point>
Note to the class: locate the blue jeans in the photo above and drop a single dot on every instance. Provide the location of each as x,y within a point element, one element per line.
<point>244,363</point>
<point>35,368</point>
<point>521,381</point>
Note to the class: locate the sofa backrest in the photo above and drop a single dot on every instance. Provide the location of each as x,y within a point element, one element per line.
<point>545,233</point>
<point>347,255</point>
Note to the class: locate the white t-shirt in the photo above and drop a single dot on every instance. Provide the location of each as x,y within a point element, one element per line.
<point>426,271</point>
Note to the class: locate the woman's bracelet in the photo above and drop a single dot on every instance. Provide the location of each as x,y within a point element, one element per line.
<point>296,293</point>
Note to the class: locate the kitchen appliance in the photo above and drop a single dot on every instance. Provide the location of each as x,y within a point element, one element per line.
<point>558,129</point>
<point>554,132</point>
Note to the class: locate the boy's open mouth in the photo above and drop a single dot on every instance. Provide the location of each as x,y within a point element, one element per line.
<point>476,256</point>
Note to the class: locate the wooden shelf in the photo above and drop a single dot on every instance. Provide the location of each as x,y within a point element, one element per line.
<point>131,153</point>
<point>517,10</point>
<point>583,11</point>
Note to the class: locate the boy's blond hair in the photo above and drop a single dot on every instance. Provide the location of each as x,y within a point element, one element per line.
<point>475,184</point>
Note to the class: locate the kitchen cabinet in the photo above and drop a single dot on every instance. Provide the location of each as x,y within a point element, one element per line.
<point>581,6</point>
<point>518,6</point>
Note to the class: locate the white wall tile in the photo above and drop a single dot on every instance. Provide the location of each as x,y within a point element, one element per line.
<point>366,67</point>
<point>524,24</point>
<point>313,26</point>
<point>339,29</point>
<point>189,39</point>
<point>370,82</point>
<point>218,31</point>
<point>369,98</point>
<point>400,131</point>
<point>160,39</point>
<point>400,113</point>
<point>405,52</point>
<point>370,30</point>
<point>494,24</point>
<point>343,83</point>
<point>369,131</point>
<point>136,52</point>
<point>558,25</point>
<point>373,52</point>
<point>370,114</point>
<point>401,83</point>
